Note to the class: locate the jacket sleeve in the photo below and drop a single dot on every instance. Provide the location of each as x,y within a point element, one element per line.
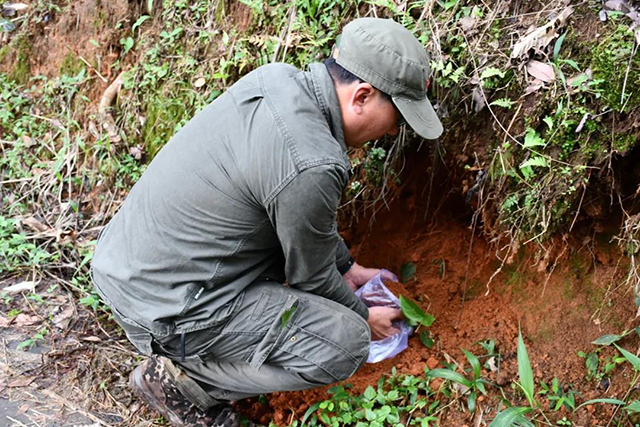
<point>304,216</point>
<point>344,260</point>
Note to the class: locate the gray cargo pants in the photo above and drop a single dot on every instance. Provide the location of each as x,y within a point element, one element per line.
<point>270,338</point>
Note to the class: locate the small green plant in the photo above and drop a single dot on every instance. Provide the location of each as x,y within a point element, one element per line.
<point>559,395</point>
<point>92,300</point>
<point>34,340</point>
<point>17,251</point>
<point>517,416</point>
<point>525,373</point>
<point>597,371</point>
<point>13,313</point>
<point>472,383</point>
<point>407,271</point>
<point>396,398</point>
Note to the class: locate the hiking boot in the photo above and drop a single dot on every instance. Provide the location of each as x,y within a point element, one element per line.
<point>153,383</point>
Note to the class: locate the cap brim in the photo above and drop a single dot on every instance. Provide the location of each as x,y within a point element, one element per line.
<point>421,116</point>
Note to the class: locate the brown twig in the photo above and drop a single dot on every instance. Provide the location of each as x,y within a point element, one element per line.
<point>110,94</point>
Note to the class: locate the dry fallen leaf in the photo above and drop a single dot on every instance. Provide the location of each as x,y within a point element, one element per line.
<point>20,287</point>
<point>35,224</point>
<point>200,81</point>
<point>91,339</point>
<point>22,381</point>
<point>534,86</point>
<point>492,364</point>
<point>6,321</point>
<point>618,5</point>
<point>136,152</point>
<point>28,141</point>
<point>541,71</point>
<point>62,319</point>
<point>602,15</point>
<point>541,36</point>
<point>25,320</point>
<point>468,23</point>
<point>478,98</point>
<point>15,6</point>
<point>585,117</point>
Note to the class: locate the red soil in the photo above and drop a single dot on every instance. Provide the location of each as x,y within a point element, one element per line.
<point>582,299</point>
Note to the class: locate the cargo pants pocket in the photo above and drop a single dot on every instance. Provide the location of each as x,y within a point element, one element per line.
<point>276,332</point>
<point>319,343</point>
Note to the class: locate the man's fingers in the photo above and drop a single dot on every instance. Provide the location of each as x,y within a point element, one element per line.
<point>397,314</point>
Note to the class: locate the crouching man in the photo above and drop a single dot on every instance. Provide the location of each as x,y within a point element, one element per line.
<point>241,201</point>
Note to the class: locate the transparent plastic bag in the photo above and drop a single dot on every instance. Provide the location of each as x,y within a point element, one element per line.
<point>375,294</point>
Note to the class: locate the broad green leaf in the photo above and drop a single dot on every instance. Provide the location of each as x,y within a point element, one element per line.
<point>26,343</point>
<point>449,4</point>
<point>548,121</point>
<point>503,102</point>
<point>6,25</point>
<point>603,400</point>
<point>471,401</point>
<point>535,161</point>
<point>532,139</point>
<point>558,45</point>
<point>592,362</point>
<point>370,393</point>
<point>512,417</point>
<point>414,313</point>
<point>407,271</point>
<point>474,362</point>
<point>632,358</point>
<point>491,72</point>
<point>450,375</point>
<point>139,22</point>
<point>572,63</point>
<point>481,387</point>
<point>633,407</point>
<point>286,316</point>
<point>607,339</point>
<point>524,370</point>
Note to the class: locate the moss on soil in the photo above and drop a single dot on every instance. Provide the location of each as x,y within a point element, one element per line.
<point>4,52</point>
<point>71,65</point>
<point>21,71</point>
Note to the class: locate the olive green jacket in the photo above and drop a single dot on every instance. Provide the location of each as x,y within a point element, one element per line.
<point>247,189</point>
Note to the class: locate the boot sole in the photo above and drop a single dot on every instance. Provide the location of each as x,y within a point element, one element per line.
<point>142,391</point>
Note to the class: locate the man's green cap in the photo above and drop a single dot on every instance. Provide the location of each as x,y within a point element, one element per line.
<point>386,55</point>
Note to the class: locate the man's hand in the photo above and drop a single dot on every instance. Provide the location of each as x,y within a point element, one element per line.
<point>359,275</point>
<point>379,321</point>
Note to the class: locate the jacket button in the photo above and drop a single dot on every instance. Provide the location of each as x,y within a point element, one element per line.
<point>293,339</point>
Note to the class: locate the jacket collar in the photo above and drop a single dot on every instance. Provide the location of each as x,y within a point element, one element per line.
<point>327,100</point>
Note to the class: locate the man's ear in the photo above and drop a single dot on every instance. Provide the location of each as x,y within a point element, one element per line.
<point>361,96</point>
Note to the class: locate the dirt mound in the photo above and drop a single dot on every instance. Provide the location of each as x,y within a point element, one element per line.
<point>561,308</point>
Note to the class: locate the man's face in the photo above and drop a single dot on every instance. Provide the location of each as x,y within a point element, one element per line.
<point>381,120</point>
<point>367,115</point>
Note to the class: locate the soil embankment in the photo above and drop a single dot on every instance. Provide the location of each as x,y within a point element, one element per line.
<point>562,302</point>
